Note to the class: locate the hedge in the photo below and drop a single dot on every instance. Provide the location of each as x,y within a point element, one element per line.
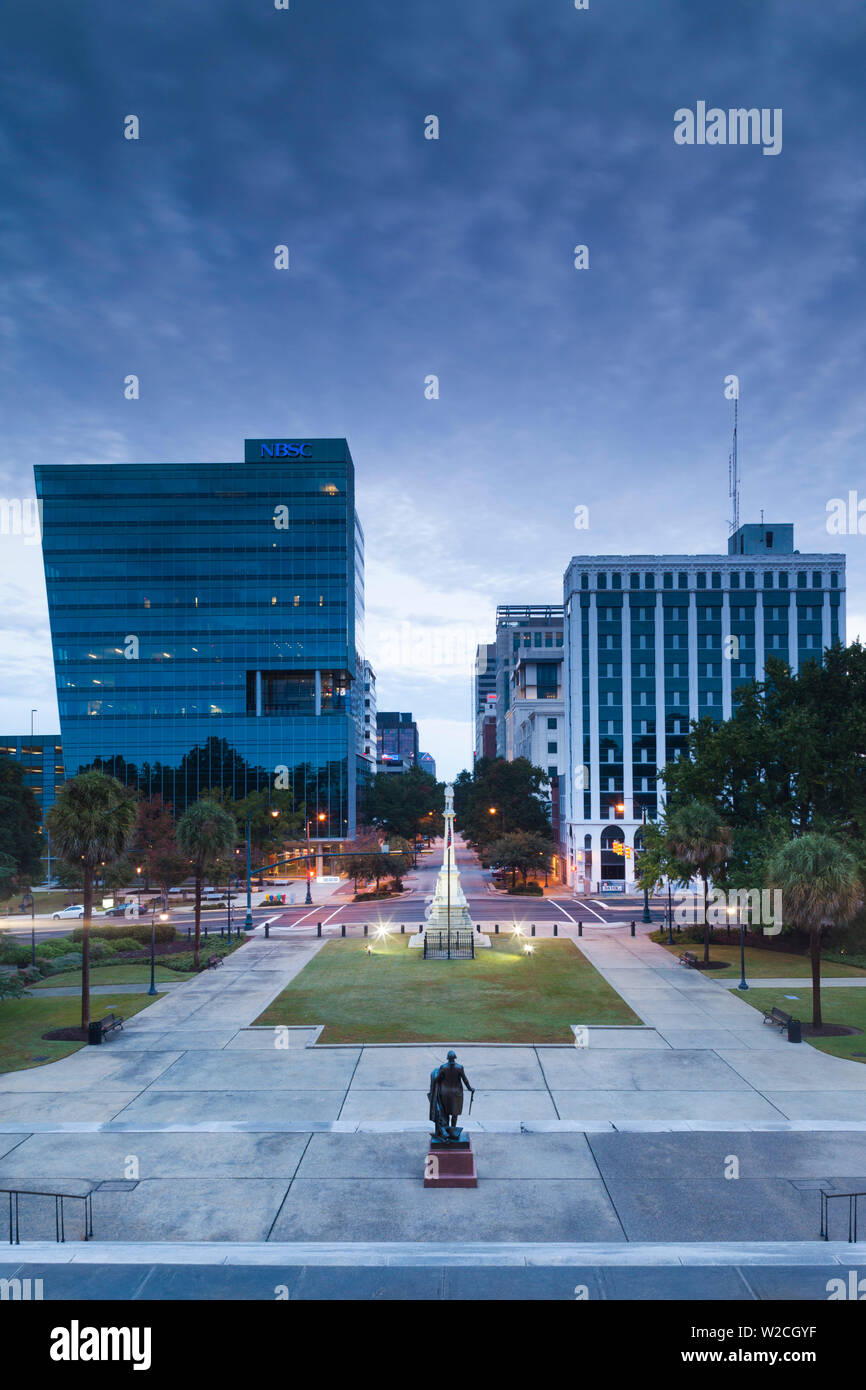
<point>130,931</point>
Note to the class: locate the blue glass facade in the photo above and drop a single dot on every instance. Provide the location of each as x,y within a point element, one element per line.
<point>207,623</point>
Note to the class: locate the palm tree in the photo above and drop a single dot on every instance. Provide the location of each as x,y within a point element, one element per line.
<point>204,832</point>
<point>696,835</point>
<point>820,883</point>
<point>91,822</point>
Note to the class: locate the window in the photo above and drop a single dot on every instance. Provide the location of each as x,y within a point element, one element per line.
<point>551,723</point>
<point>551,746</point>
<point>552,772</point>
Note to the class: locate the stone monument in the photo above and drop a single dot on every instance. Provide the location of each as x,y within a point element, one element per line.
<point>449,906</point>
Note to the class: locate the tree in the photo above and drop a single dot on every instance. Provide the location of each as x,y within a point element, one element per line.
<point>369,860</point>
<point>155,845</point>
<point>268,832</point>
<point>501,798</point>
<point>792,759</point>
<point>521,853</point>
<point>820,883</point>
<point>91,822</point>
<point>407,804</point>
<point>696,835</point>
<point>20,841</point>
<point>205,832</point>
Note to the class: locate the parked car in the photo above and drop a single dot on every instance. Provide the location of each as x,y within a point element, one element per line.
<point>76,911</point>
<point>121,909</point>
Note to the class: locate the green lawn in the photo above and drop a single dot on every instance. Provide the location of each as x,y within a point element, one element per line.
<point>125,974</point>
<point>847,1006</point>
<point>396,996</point>
<point>23,1021</point>
<point>763,964</point>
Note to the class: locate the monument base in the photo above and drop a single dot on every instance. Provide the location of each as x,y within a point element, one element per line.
<point>450,1166</point>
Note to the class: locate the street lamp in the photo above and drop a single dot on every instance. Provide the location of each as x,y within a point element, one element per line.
<point>309,898</point>
<point>163,917</point>
<point>138,872</point>
<point>742,984</point>
<point>646,912</point>
<point>495,811</point>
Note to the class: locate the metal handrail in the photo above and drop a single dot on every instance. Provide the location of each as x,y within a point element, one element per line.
<point>852,1213</point>
<point>14,1193</point>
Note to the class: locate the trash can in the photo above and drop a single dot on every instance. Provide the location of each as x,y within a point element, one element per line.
<point>795,1031</point>
<point>94,1033</point>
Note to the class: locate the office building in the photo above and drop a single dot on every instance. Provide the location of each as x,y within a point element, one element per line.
<point>484,690</point>
<point>368,725</point>
<point>529,647</point>
<point>41,759</point>
<point>427,763</point>
<point>397,739</point>
<point>653,642</point>
<point>207,623</point>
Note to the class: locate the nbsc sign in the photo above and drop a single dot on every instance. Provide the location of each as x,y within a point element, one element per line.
<point>283,449</point>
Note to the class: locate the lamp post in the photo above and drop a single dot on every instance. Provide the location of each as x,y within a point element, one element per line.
<point>163,917</point>
<point>742,984</point>
<point>646,912</point>
<point>138,873</point>
<point>248,921</point>
<point>309,898</point>
<point>670,917</point>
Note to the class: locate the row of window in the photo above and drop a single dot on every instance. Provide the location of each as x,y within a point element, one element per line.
<point>771,579</point>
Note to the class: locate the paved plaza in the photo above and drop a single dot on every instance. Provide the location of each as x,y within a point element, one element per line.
<point>196,1126</point>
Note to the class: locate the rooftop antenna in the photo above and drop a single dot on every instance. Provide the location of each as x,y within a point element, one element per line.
<point>734,476</point>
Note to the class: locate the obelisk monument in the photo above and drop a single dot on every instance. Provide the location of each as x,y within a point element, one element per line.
<point>449,906</point>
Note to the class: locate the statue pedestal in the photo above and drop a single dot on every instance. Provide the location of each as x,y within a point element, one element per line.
<point>450,1165</point>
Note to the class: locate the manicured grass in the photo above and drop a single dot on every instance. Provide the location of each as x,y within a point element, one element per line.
<point>762,964</point>
<point>396,996</point>
<point>23,1021</point>
<point>846,1006</point>
<point>126,974</point>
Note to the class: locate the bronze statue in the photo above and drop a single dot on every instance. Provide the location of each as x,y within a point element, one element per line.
<point>446,1100</point>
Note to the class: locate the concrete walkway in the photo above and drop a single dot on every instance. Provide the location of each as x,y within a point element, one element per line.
<point>195,1126</point>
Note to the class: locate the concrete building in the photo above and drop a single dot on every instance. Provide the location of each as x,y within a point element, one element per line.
<point>484,691</point>
<point>527,635</point>
<point>427,763</point>
<point>653,642</point>
<point>368,726</point>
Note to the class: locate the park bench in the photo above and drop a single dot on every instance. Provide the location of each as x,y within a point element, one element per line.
<point>213,962</point>
<point>689,960</point>
<point>787,1022</point>
<point>99,1029</point>
<point>777,1016</point>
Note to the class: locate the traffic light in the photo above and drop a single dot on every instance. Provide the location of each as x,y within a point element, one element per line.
<point>617,848</point>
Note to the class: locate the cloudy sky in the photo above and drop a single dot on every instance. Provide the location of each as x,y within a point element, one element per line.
<point>410,258</point>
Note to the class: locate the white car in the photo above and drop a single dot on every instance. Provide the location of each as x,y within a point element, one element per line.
<point>76,911</point>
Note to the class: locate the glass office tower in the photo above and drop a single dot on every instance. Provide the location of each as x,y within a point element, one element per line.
<point>207,623</point>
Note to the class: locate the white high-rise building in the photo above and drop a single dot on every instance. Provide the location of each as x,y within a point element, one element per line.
<point>653,642</point>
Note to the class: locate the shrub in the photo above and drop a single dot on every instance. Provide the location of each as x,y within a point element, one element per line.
<point>56,946</point>
<point>529,890</point>
<point>71,961</point>
<point>127,943</point>
<point>15,955</point>
<point>137,931</point>
<point>11,984</point>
